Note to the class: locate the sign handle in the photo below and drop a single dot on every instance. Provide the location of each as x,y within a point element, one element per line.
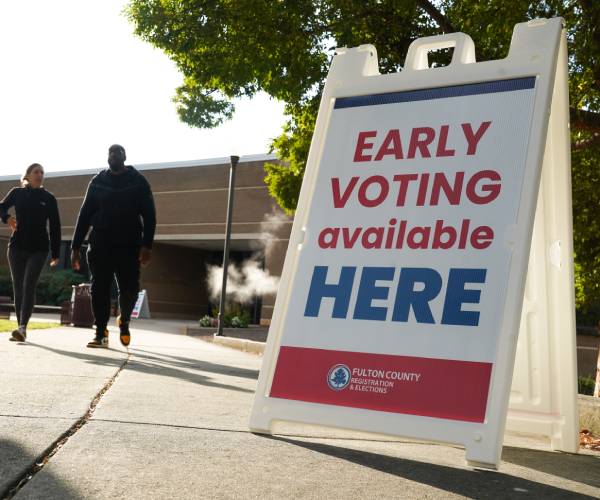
<point>464,50</point>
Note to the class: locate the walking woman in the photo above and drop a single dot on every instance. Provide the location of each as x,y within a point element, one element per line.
<point>28,247</point>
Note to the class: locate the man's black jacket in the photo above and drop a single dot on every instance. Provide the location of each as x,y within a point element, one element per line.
<point>120,210</point>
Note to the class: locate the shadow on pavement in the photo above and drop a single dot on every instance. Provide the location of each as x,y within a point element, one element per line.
<point>581,468</point>
<point>156,366</point>
<point>470,483</point>
<point>194,363</point>
<point>15,461</point>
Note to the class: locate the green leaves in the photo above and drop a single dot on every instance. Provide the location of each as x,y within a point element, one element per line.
<point>233,48</point>
<point>586,229</point>
<point>285,180</point>
<point>284,185</point>
<point>199,108</point>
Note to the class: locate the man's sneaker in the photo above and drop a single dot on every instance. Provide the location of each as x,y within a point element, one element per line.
<point>19,335</point>
<point>124,333</point>
<point>100,343</point>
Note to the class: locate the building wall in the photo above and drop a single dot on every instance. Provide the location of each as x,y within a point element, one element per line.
<point>175,282</point>
<point>191,203</point>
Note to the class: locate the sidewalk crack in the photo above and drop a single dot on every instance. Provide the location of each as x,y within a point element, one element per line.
<point>34,417</point>
<point>38,464</point>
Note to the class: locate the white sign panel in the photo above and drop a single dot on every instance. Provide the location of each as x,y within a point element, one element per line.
<point>400,305</point>
<point>404,281</point>
<point>141,308</point>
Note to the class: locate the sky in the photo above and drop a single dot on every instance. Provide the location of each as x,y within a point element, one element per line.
<point>74,80</point>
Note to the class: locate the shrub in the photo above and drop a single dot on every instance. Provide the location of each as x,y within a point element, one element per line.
<point>234,317</point>
<point>241,321</point>
<point>585,385</point>
<point>53,287</point>
<point>206,321</point>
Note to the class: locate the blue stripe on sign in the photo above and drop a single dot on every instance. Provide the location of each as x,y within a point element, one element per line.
<point>436,93</point>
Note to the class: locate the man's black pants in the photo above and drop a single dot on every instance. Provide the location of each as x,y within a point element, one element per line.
<point>106,263</point>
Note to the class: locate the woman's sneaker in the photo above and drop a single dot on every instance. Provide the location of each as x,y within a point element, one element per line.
<point>19,335</point>
<point>124,333</point>
<point>99,342</point>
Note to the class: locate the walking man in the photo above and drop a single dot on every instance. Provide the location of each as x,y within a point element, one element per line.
<point>119,208</point>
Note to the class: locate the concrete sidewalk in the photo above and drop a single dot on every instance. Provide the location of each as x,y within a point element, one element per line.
<point>172,423</point>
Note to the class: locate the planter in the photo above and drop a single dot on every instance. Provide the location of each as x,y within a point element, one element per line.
<point>589,414</point>
<point>253,333</point>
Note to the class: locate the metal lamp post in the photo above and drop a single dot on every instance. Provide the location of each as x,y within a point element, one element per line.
<point>233,160</point>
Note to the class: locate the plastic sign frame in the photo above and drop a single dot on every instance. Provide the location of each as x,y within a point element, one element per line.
<point>354,75</point>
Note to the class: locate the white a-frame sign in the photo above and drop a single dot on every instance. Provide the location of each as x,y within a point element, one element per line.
<point>404,282</point>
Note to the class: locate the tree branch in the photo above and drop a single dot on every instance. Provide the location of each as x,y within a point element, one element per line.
<point>442,21</point>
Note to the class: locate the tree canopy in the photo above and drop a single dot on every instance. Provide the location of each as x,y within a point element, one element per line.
<point>236,48</point>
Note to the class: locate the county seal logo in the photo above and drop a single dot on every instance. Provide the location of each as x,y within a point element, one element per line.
<point>338,377</point>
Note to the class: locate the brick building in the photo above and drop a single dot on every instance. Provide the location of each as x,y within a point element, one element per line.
<point>191,204</point>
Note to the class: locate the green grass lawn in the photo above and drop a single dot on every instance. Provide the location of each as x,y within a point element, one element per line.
<point>8,326</point>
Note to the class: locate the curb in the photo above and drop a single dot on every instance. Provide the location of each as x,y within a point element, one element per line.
<point>240,344</point>
<point>244,345</point>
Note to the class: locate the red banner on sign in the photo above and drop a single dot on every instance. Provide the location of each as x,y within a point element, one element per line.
<point>441,388</point>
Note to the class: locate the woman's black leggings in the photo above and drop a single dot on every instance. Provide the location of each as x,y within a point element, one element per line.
<point>25,269</point>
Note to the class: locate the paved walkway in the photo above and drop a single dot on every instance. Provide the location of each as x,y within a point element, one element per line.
<point>169,420</point>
